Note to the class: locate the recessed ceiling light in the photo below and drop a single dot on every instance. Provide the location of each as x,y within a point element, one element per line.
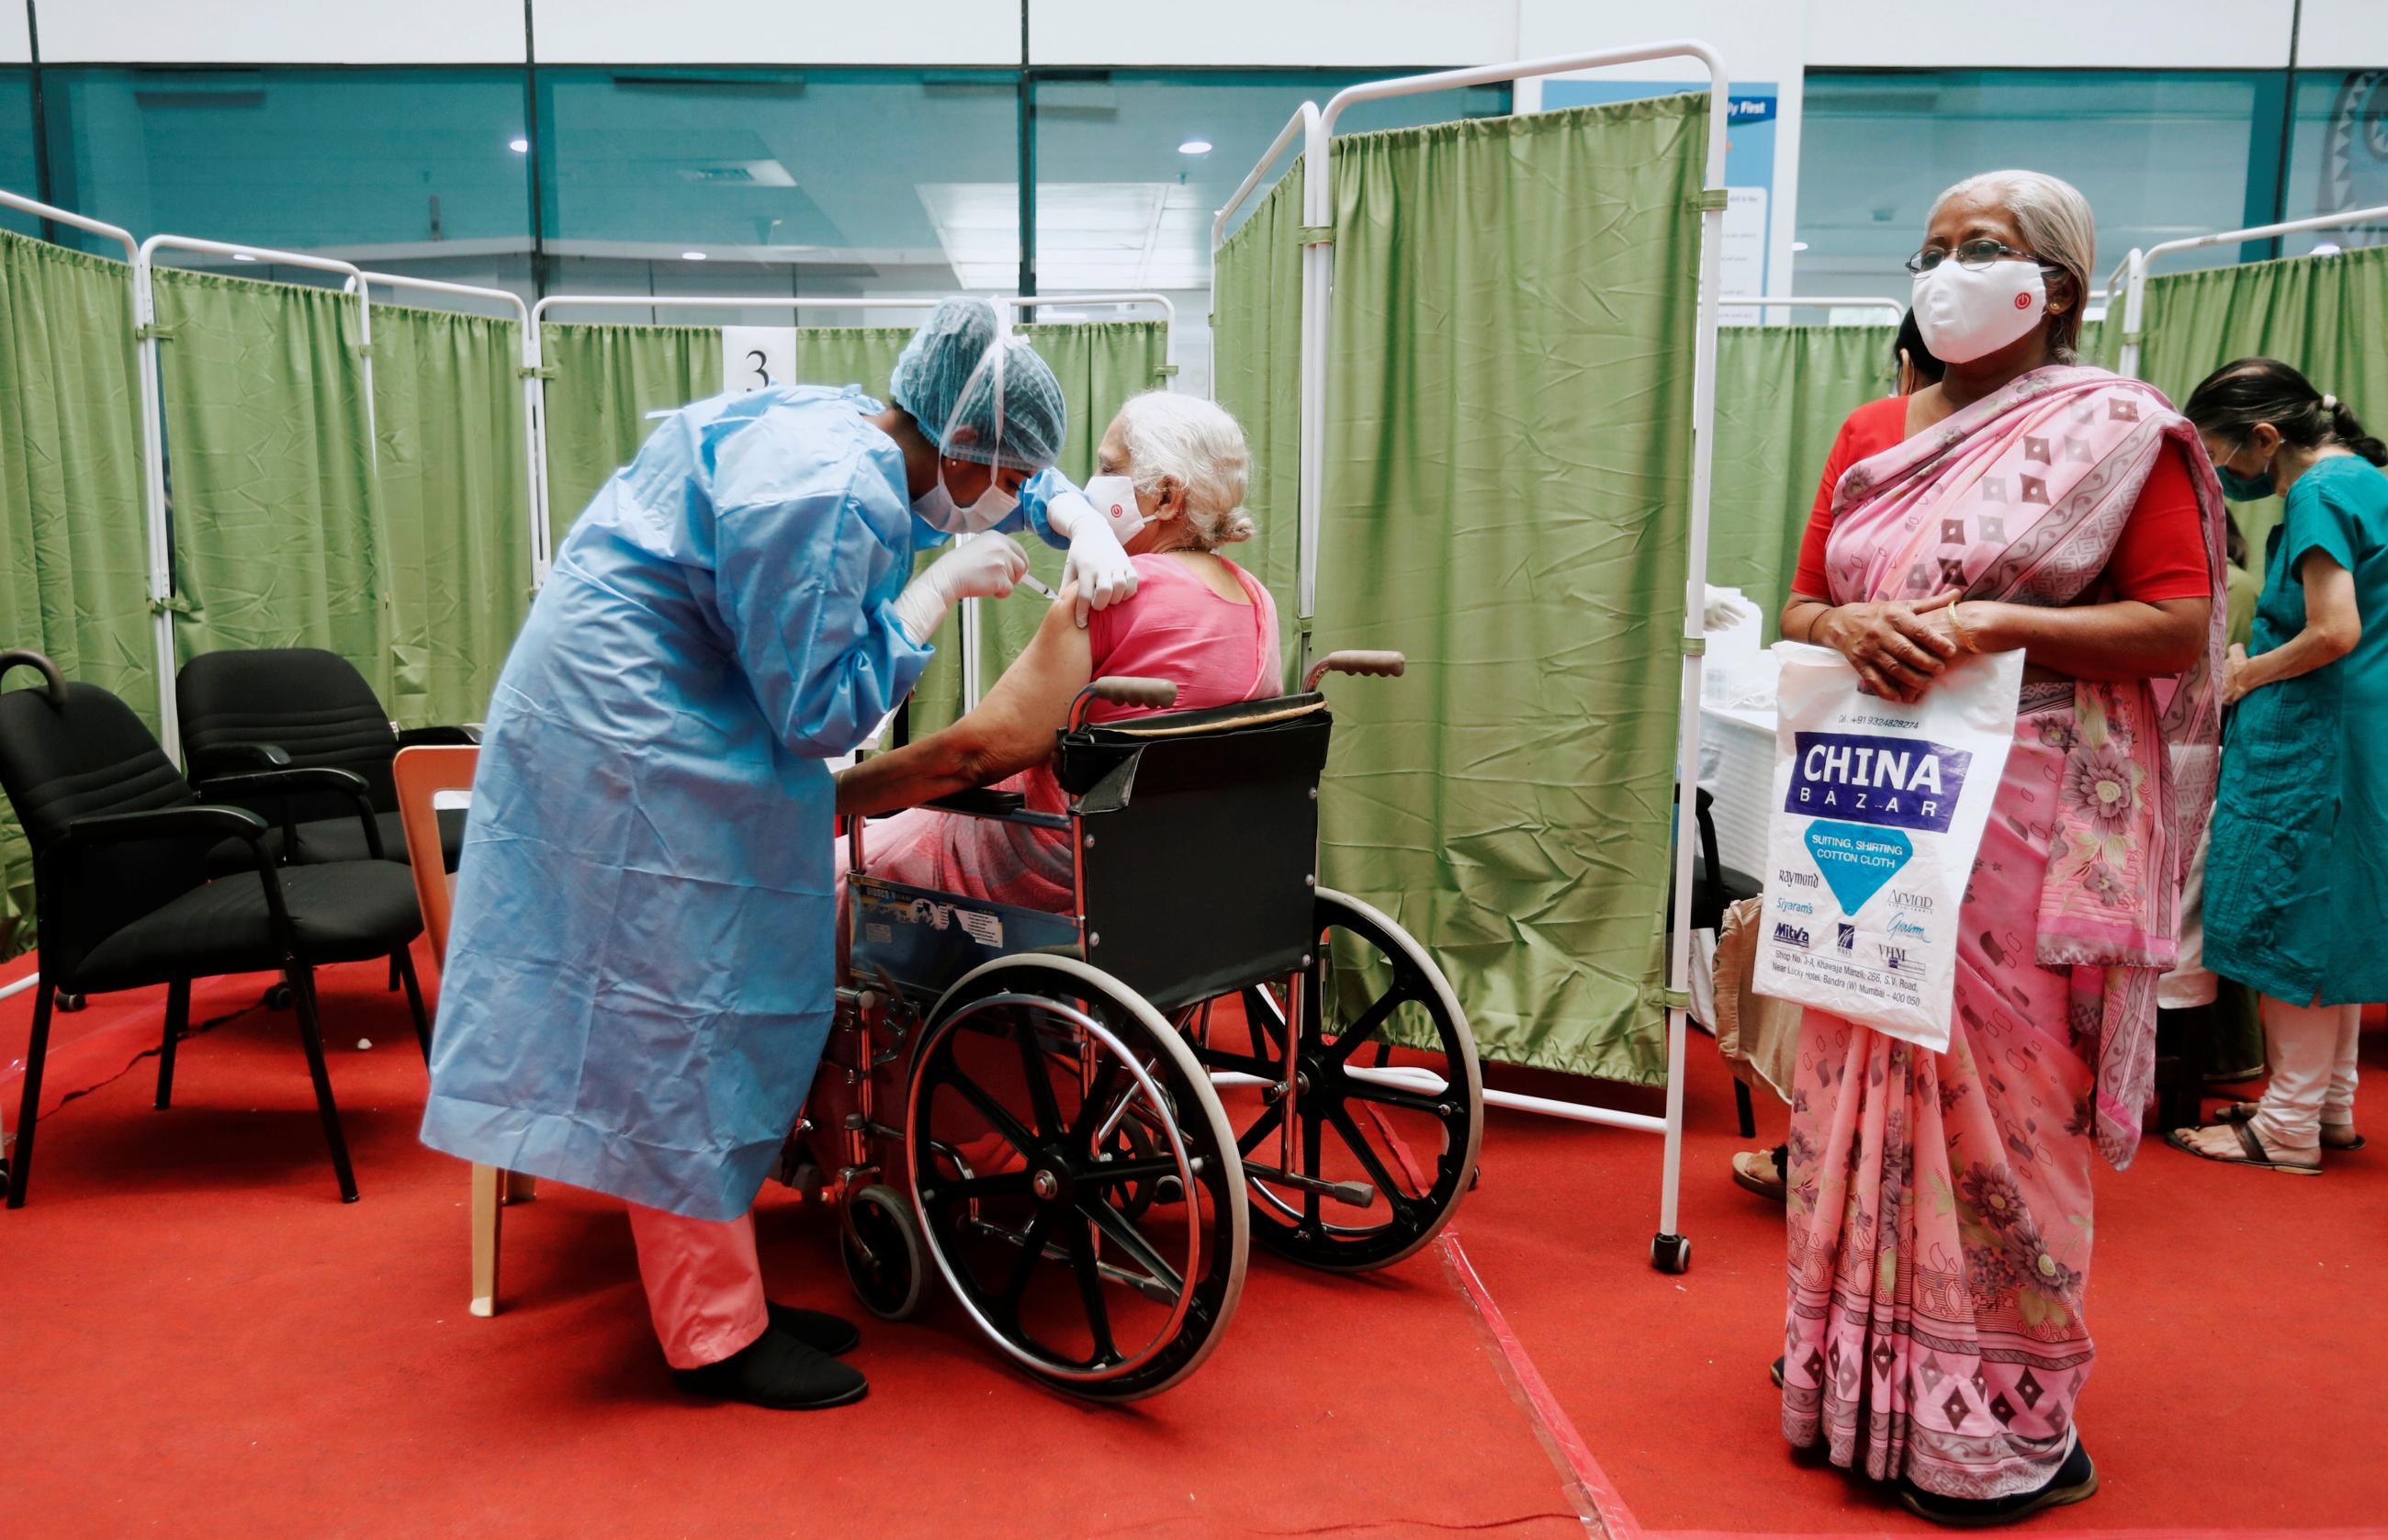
<point>520,146</point>
<point>691,255</point>
<point>1195,146</point>
<point>1798,245</point>
<point>242,256</point>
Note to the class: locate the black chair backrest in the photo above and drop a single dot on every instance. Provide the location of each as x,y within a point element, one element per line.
<point>311,704</point>
<point>88,754</point>
<point>1205,830</point>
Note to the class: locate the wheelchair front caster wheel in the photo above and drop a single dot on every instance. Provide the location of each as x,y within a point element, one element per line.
<point>278,997</point>
<point>1671,1253</point>
<point>885,1262</point>
<point>71,1002</point>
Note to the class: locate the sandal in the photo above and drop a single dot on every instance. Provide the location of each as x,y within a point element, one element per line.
<point>2252,1151</point>
<point>2341,1137</point>
<point>1761,1172</point>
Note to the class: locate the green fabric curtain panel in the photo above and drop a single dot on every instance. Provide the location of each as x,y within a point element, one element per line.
<point>279,539</point>
<point>861,356</point>
<point>1782,393</point>
<point>2326,315</point>
<point>1256,375</point>
<point>455,493</point>
<point>73,535</point>
<point>1507,502</point>
<point>601,383</point>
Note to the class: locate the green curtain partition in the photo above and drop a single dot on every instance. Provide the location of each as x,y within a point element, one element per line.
<point>2326,315</point>
<point>601,383</point>
<point>1782,392</point>
<point>1507,502</point>
<point>447,416</point>
<point>73,534</point>
<point>279,539</point>
<point>861,356</point>
<point>1256,375</point>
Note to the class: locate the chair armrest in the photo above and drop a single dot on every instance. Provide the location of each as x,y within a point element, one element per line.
<point>226,759</point>
<point>980,802</point>
<point>302,778</point>
<point>463,734</point>
<point>167,823</point>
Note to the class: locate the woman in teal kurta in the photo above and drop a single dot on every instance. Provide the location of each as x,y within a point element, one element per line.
<point>2296,897</point>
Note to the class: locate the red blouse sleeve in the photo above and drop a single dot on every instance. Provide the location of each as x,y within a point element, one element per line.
<point>2161,553</point>
<point>1873,427</point>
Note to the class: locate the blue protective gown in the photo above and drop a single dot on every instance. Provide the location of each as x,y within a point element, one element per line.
<point>639,969</point>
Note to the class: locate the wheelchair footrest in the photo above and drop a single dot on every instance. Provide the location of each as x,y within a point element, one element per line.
<point>1359,1195</point>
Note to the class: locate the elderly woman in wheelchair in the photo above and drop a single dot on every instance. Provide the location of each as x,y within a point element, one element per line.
<point>1100,1027</point>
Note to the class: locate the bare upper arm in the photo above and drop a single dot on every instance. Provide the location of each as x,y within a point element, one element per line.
<point>2330,606</point>
<point>1013,729</point>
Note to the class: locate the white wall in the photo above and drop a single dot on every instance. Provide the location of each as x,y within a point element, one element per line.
<point>2143,35</point>
<point>1309,34</point>
<point>776,32</point>
<point>279,31</point>
<point>15,46</point>
<point>2343,35</point>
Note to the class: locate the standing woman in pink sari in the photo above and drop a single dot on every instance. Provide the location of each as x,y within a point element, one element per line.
<point>1939,1207</point>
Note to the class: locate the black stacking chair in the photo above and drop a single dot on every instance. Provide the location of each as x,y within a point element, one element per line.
<point>123,846</point>
<point>300,707</point>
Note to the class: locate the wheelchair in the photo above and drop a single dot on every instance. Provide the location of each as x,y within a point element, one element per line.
<point>1080,1122</point>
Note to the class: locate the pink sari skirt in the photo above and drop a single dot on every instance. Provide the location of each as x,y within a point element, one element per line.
<point>1939,1223</point>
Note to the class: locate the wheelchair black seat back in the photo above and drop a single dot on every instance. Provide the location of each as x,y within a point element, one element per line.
<point>1197,844</point>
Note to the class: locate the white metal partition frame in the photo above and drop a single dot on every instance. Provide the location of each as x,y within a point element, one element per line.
<point>153,430</point>
<point>1784,302</point>
<point>970,621</point>
<point>1668,1249</point>
<point>2130,276</point>
<point>533,440</point>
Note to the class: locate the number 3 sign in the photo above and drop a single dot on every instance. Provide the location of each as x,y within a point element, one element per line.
<point>756,356</point>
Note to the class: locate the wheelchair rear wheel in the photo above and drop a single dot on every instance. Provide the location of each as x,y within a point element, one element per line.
<point>1406,1137</point>
<point>1075,1177</point>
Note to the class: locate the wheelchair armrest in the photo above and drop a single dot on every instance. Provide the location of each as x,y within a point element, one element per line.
<point>230,759</point>
<point>304,779</point>
<point>982,803</point>
<point>463,735</point>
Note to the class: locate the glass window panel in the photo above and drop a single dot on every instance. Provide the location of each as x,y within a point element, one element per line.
<point>2158,155</point>
<point>411,170</point>
<point>832,183</point>
<point>17,172</point>
<point>1125,203</point>
<point>2338,154</point>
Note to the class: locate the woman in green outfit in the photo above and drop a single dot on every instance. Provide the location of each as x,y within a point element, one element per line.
<point>2297,875</point>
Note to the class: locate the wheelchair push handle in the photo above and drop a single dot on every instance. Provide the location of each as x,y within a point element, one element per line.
<point>1387,665</point>
<point>1124,689</point>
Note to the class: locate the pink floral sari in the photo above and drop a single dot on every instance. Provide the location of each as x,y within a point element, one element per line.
<point>1939,1223</point>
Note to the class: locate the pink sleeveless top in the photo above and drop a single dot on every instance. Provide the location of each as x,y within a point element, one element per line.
<point>1214,650</point>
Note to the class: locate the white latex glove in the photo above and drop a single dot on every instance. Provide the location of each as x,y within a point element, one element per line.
<point>1097,564</point>
<point>982,566</point>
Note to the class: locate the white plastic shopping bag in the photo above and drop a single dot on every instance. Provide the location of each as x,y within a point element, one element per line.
<point>1878,811</point>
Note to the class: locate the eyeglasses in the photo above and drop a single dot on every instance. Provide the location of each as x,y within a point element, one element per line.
<point>1976,253</point>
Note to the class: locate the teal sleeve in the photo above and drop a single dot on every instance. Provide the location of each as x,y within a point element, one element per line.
<point>2322,520</point>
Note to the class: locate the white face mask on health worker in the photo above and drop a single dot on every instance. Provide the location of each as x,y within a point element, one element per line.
<point>1114,499</point>
<point>1966,313</point>
<point>936,506</point>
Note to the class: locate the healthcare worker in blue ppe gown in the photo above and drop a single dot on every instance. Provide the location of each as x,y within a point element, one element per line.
<point>639,972</point>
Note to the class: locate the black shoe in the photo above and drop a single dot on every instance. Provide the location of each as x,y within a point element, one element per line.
<point>778,1372</point>
<point>2076,1480</point>
<point>1775,1372</point>
<point>818,1330</point>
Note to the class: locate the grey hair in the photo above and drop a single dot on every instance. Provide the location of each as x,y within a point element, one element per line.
<point>2056,222</point>
<point>1200,446</point>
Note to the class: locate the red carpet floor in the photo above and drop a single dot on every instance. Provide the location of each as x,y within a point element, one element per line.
<point>196,1338</point>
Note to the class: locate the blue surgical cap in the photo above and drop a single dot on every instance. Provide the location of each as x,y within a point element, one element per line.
<point>939,379</point>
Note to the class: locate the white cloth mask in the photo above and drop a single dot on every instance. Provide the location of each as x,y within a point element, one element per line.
<point>1966,314</point>
<point>1114,499</point>
<point>936,507</point>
